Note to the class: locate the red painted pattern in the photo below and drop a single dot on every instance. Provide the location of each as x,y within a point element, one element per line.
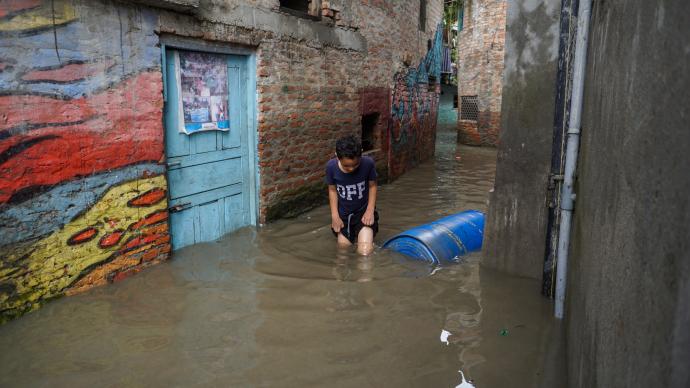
<point>148,198</point>
<point>111,239</point>
<point>150,219</point>
<point>83,236</point>
<point>70,72</point>
<point>10,6</point>
<point>121,126</point>
<point>142,240</point>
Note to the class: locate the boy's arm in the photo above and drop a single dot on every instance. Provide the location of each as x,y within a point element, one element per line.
<point>368,217</point>
<point>336,222</point>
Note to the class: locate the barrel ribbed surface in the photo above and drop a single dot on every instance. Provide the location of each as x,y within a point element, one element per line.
<point>443,240</point>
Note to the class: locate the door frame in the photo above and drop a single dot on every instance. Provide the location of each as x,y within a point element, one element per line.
<point>191,44</point>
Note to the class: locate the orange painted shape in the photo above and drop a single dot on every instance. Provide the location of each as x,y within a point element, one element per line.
<point>111,239</point>
<point>150,219</point>
<point>141,240</point>
<point>148,198</point>
<point>83,236</point>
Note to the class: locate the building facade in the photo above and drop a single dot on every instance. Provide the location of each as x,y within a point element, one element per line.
<point>481,48</point>
<point>627,298</point>
<point>119,144</point>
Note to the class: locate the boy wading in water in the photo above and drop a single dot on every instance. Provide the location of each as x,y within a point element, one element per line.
<point>351,181</point>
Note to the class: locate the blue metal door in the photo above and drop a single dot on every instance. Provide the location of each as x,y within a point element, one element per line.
<point>208,171</point>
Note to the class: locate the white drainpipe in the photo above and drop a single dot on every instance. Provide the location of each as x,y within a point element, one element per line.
<point>567,194</point>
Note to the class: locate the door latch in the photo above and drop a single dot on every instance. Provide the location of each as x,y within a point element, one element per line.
<point>179,207</point>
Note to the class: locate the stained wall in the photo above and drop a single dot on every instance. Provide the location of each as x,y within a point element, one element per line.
<point>516,222</point>
<point>628,296</point>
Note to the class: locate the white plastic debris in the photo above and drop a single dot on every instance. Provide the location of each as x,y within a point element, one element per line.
<point>444,336</point>
<point>436,269</point>
<point>464,383</point>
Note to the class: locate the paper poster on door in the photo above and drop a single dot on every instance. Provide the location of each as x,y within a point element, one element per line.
<point>203,83</point>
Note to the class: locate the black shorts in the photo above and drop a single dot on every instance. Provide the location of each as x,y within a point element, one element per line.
<point>353,224</point>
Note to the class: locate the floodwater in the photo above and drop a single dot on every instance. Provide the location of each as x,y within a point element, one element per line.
<point>281,306</point>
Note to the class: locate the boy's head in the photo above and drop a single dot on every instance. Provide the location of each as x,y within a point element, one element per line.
<point>348,149</point>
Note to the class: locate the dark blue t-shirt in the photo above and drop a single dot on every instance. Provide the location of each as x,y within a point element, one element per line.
<point>352,188</point>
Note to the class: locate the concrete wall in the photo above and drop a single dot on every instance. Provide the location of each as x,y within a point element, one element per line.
<point>516,222</point>
<point>628,301</point>
<point>83,189</point>
<point>480,68</point>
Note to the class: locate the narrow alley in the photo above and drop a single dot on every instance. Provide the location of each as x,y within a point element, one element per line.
<point>189,190</point>
<point>282,306</point>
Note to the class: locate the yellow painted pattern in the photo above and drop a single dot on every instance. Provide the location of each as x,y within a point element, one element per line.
<point>53,264</point>
<point>40,18</point>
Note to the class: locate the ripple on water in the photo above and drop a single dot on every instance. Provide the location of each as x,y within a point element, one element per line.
<point>282,306</point>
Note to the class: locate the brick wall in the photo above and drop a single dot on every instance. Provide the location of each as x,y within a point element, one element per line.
<point>83,191</point>
<point>309,90</point>
<point>480,68</point>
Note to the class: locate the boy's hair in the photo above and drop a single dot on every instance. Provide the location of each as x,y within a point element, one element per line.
<point>348,147</point>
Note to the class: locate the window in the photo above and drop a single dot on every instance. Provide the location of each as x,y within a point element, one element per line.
<point>469,109</point>
<point>297,5</point>
<point>310,9</point>
<point>369,123</point>
<point>422,15</point>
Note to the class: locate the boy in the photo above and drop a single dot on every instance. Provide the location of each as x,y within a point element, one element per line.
<point>351,181</point>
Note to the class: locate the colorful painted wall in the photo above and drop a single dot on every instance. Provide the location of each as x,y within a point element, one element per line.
<point>414,110</point>
<point>82,191</point>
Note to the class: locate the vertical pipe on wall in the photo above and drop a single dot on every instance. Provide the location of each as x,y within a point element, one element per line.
<point>566,52</point>
<point>572,149</point>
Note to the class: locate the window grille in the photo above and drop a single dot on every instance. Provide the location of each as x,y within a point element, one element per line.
<point>469,109</point>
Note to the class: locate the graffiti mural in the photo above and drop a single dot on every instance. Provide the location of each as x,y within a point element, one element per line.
<point>83,196</point>
<point>414,109</point>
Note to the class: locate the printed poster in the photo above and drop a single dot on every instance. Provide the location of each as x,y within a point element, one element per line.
<point>203,83</point>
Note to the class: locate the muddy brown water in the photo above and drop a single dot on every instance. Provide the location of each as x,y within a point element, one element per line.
<point>281,306</point>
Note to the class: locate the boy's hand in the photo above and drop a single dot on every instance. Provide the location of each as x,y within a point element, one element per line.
<point>336,223</point>
<point>368,218</point>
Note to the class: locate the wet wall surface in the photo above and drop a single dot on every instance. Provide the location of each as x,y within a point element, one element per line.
<point>281,306</point>
<point>628,297</point>
<point>516,223</point>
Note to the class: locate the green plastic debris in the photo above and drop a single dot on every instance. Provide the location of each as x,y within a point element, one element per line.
<point>504,332</point>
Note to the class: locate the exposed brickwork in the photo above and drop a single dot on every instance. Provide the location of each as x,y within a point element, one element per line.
<point>81,133</point>
<point>468,132</point>
<point>480,68</point>
<point>309,93</point>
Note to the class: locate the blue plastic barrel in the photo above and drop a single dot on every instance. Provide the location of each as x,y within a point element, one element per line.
<point>444,240</point>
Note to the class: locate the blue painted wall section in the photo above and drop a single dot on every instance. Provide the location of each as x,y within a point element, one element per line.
<point>414,110</point>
